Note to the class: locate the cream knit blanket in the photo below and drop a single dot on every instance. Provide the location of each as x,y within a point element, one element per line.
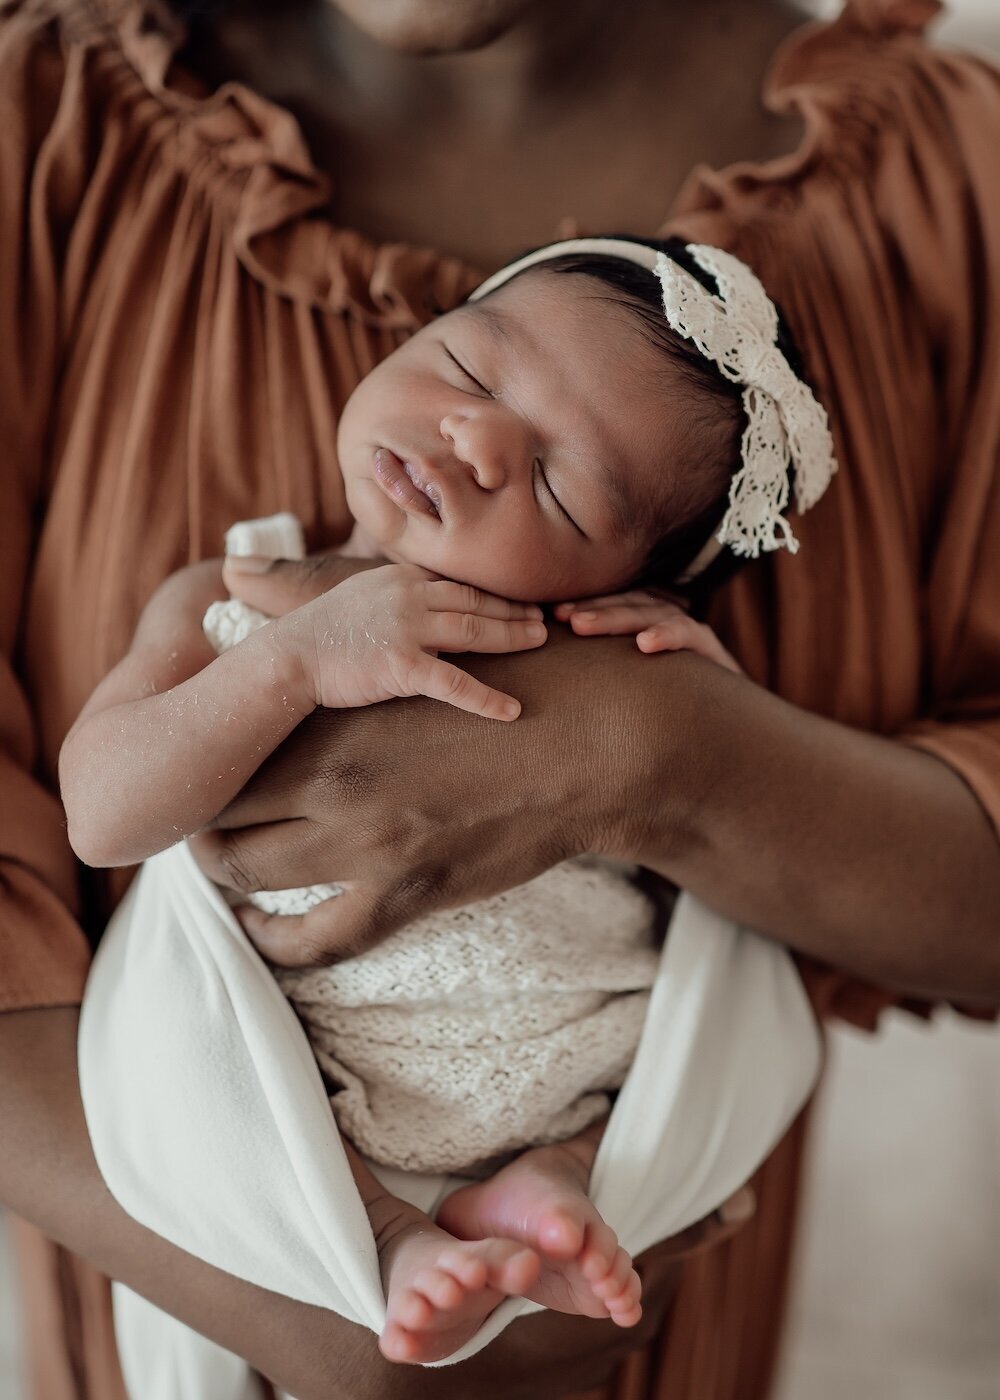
<point>486,1029</point>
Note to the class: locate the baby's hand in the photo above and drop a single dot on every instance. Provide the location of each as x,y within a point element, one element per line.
<point>657,623</point>
<point>376,636</point>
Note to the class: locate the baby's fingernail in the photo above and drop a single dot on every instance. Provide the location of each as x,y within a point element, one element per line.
<point>535,632</point>
<point>534,610</point>
<point>511,709</point>
<point>247,563</point>
<point>586,616</point>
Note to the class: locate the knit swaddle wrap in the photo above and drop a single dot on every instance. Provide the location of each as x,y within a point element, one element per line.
<point>479,1030</point>
<point>485,1029</point>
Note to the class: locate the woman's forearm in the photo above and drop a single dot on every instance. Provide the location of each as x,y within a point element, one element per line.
<point>858,850</point>
<point>49,1177</point>
<point>867,854</point>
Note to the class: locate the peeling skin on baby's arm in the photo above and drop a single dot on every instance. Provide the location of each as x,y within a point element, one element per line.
<point>173,733</point>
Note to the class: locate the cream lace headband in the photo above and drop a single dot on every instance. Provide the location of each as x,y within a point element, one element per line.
<point>737,331</point>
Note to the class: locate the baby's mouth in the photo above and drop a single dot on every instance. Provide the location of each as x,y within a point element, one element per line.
<point>405,483</point>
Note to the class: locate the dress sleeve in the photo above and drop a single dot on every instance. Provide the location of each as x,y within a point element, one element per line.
<point>934,221</point>
<point>43,953</point>
<point>960,722</point>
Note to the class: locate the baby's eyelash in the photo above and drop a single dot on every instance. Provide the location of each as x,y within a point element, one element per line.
<point>468,374</point>
<point>540,469</point>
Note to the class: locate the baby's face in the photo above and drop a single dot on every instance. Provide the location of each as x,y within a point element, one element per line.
<point>520,444</point>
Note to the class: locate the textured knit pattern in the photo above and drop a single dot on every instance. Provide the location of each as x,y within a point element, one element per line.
<point>479,1030</point>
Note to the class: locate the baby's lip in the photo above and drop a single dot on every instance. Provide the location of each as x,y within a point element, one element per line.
<point>407,483</point>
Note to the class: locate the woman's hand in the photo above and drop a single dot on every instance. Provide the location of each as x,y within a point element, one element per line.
<point>414,807</point>
<point>852,848</point>
<point>376,636</point>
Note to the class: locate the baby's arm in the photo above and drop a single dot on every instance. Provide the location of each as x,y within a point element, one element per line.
<point>657,623</point>
<point>174,732</point>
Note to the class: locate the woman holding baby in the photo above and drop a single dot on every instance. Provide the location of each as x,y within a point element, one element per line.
<point>192,281</point>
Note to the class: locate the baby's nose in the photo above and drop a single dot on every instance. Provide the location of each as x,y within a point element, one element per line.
<point>491,445</point>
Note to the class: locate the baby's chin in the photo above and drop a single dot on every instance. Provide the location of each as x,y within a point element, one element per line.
<point>371,537</point>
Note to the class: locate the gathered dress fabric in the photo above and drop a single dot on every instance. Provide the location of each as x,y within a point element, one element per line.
<point>182,323</point>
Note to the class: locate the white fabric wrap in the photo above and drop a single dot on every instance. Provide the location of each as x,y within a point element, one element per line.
<point>211,1124</point>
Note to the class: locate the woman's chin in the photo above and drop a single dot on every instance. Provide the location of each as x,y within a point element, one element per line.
<point>432,28</point>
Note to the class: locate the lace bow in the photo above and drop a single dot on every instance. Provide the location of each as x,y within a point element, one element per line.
<point>737,330</point>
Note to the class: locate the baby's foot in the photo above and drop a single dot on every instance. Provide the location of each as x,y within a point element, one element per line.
<point>439,1290</point>
<point>541,1199</point>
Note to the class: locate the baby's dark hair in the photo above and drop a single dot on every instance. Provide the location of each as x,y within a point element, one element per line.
<point>710,418</point>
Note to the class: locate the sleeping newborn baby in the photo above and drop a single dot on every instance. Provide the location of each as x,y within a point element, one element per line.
<point>597,423</point>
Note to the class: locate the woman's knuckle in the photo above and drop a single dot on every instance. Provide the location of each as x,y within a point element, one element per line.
<point>236,871</point>
<point>413,893</point>
<point>316,951</point>
<point>350,782</point>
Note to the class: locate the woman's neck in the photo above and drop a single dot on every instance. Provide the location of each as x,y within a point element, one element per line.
<point>593,111</point>
<point>556,54</point>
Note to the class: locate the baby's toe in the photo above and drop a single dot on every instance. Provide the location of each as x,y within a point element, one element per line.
<point>624,1308</point>
<point>409,1309</point>
<point>614,1280</point>
<point>516,1271</point>
<point>627,1316</point>
<point>468,1268</point>
<point>625,1294</point>
<point>599,1251</point>
<point>396,1344</point>
<point>560,1236</point>
<point>440,1288</point>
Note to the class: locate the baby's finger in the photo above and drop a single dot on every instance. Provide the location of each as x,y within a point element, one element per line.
<point>563,611</point>
<point>459,631</point>
<point>444,595</point>
<point>439,680</point>
<point>278,586</point>
<point>682,633</point>
<point>623,619</point>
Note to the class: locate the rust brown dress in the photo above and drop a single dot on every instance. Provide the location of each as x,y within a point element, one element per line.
<point>180,326</point>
